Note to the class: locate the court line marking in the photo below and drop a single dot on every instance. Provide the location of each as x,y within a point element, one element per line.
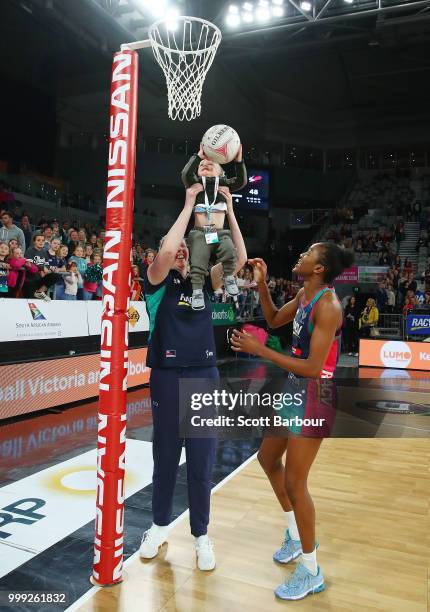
<point>19,547</point>
<point>93,590</point>
<point>57,499</point>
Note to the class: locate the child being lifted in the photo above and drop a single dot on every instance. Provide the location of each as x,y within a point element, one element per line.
<point>209,235</point>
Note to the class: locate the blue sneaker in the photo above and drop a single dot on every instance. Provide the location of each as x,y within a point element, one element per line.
<point>300,583</point>
<point>290,549</point>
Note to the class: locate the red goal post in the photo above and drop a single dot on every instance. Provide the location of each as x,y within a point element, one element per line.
<point>185,51</point>
<point>109,524</point>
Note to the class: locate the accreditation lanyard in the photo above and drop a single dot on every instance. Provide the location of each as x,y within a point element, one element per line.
<point>209,205</point>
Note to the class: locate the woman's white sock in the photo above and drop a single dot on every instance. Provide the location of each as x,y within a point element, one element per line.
<point>292,525</point>
<point>161,530</point>
<point>309,560</point>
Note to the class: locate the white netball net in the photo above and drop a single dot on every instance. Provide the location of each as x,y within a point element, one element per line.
<point>185,50</point>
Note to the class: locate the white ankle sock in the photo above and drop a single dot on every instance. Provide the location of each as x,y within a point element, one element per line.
<point>309,560</point>
<point>201,539</point>
<point>162,529</point>
<point>292,525</point>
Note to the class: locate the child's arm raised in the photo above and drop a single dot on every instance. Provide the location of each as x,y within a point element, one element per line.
<point>238,182</point>
<point>189,173</point>
<point>236,234</point>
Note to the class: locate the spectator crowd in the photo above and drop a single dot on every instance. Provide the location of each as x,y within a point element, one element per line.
<point>281,290</point>
<point>63,261</point>
<point>54,260</point>
<point>372,242</point>
<point>397,294</point>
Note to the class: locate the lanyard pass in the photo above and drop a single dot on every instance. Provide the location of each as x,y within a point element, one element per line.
<point>211,235</point>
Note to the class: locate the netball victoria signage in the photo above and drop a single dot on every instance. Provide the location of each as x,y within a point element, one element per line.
<point>27,387</point>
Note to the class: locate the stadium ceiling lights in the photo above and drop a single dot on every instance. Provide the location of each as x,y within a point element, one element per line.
<point>172,15</point>
<point>248,12</point>
<point>276,15</point>
<point>160,9</point>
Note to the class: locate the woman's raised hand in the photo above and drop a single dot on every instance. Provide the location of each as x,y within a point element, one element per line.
<point>192,192</point>
<point>259,268</point>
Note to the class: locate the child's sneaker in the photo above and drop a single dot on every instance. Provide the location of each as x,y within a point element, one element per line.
<point>198,300</point>
<point>230,285</point>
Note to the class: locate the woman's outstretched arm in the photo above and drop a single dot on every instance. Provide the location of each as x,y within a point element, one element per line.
<point>165,259</point>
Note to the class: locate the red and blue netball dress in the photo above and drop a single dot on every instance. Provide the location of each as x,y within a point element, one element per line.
<point>303,326</point>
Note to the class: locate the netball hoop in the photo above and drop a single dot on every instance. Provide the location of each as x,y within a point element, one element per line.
<point>185,50</point>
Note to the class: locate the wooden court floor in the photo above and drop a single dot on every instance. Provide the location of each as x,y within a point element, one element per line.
<point>372,503</point>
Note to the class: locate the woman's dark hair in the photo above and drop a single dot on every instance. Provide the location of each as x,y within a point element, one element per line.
<point>334,259</point>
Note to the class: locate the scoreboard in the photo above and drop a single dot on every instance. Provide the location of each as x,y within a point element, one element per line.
<point>255,196</point>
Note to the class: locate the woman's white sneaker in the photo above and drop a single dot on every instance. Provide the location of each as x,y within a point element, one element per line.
<point>152,539</point>
<point>205,553</point>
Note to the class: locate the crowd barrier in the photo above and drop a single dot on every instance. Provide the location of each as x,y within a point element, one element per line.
<point>402,327</point>
<point>390,326</point>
